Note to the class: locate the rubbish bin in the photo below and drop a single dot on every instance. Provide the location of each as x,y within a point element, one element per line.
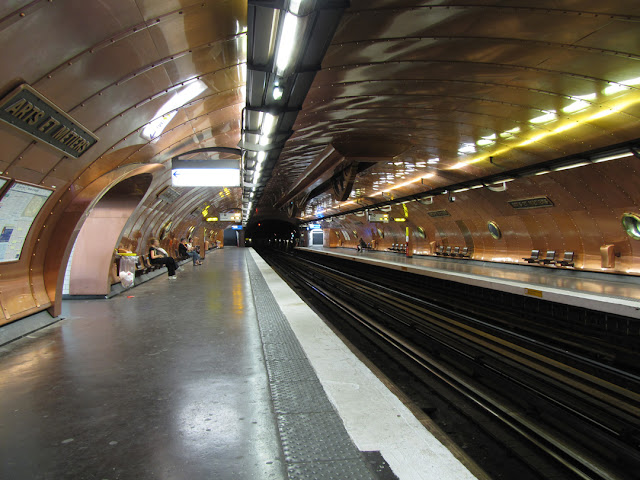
<point>127,271</point>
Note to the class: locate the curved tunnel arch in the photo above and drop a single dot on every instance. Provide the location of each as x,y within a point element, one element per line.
<point>72,219</point>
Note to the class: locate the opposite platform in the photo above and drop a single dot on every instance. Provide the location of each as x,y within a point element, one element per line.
<point>611,293</point>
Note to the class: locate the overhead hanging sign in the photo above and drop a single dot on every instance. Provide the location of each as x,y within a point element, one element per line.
<point>379,217</point>
<point>230,216</point>
<point>31,113</point>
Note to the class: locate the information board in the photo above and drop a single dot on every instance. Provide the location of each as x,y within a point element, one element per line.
<point>18,209</point>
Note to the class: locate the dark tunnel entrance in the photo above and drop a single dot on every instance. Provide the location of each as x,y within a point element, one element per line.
<point>272,233</point>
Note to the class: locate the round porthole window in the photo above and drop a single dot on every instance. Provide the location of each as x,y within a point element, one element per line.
<point>494,230</point>
<point>420,233</point>
<point>631,225</point>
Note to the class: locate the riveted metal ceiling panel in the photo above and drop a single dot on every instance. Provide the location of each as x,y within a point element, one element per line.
<point>520,82</point>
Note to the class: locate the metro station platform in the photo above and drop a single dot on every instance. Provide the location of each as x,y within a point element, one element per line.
<point>222,374</point>
<point>611,293</point>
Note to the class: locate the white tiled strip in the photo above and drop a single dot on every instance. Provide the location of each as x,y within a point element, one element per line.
<point>374,417</point>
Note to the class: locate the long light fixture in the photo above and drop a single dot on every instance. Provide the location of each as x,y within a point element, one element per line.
<point>612,157</point>
<point>205,177</point>
<point>286,43</point>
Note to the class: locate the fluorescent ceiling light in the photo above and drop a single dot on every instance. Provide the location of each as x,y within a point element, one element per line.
<point>504,180</point>
<point>612,157</point>
<point>294,6</point>
<point>287,42</point>
<point>547,117</point>
<point>268,123</point>
<point>205,177</point>
<point>573,165</point>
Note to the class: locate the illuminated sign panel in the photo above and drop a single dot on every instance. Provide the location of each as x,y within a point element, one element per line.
<point>31,113</point>
<point>205,173</point>
<point>379,217</point>
<point>205,177</point>
<point>230,216</point>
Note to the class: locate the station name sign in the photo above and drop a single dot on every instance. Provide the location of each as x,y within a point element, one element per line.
<point>537,202</point>
<point>31,113</point>
<point>439,213</point>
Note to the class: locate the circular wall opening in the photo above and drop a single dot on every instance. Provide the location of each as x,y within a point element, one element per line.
<point>494,230</point>
<point>631,225</point>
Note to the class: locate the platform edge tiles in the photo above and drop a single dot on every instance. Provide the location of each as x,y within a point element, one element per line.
<point>375,419</point>
<point>601,302</point>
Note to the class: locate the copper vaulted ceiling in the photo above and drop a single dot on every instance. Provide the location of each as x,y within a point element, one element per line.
<point>449,84</point>
<point>114,66</point>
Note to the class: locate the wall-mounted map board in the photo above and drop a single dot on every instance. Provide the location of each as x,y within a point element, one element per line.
<point>19,207</point>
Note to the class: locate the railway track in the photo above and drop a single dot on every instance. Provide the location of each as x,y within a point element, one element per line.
<point>539,409</point>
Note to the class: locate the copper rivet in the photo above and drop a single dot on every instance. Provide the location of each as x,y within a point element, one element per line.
<point>22,14</point>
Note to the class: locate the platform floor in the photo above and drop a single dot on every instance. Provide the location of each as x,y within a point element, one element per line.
<point>612,293</point>
<point>209,376</point>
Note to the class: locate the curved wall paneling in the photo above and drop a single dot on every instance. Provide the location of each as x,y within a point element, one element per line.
<point>588,204</point>
<point>100,233</point>
<point>114,67</point>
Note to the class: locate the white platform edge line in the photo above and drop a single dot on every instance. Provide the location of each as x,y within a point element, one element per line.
<point>373,416</point>
<point>603,303</point>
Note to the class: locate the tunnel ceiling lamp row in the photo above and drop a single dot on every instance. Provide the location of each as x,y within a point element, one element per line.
<point>495,183</point>
<point>286,41</point>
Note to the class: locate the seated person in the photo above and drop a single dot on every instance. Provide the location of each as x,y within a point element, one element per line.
<point>158,256</point>
<point>186,250</point>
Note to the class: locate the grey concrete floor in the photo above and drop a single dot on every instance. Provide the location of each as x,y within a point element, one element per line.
<point>169,384</point>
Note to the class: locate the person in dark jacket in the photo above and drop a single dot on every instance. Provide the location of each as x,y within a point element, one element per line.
<point>158,256</point>
<point>186,250</point>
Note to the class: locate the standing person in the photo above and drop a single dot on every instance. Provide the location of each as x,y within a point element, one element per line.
<point>186,250</point>
<point>361,245</point>
<point>158,256</point>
